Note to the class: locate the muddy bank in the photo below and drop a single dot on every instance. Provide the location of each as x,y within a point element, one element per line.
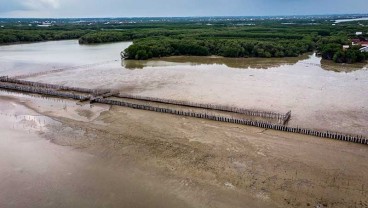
<point>212,164</point>
<point>285,170</point>
<point>69,175</point>
<point>37,173</point>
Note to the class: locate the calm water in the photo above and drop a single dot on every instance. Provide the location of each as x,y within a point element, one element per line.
<point>320,94</point>
<point>350,20</point>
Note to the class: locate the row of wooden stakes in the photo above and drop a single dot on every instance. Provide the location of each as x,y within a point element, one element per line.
<point>281,118</point>
<point>261,124</point>
<point>52,86</point>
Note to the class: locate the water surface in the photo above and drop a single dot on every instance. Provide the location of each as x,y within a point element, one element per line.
<point>350,20</point>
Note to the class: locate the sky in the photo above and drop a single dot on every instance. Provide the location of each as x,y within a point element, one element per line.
<point>177,8</point>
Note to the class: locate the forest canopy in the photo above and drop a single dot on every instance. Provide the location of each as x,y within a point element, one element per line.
<point>267,38</point>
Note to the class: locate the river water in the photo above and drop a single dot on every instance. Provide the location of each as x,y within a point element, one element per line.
<point>351,20</point>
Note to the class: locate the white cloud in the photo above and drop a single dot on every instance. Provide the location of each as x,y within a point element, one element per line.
<point>41,4</point>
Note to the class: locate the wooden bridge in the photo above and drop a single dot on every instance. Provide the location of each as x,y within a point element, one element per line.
<point>106,96</point>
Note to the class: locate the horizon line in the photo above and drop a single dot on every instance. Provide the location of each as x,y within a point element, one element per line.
<point>215,16</point>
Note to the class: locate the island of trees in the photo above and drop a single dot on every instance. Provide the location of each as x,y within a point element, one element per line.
<point>236,38</point>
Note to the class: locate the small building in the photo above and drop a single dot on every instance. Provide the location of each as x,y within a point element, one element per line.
<point>345,47</point>
<point>361,42</point>
<point>359,33</point>
<point>355,41</point>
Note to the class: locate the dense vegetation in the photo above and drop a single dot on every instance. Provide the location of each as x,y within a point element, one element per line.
<point>15,36</point>
<point>331,49</point>
<point>159,47</point>
<point>252,41</point>
<point>235,38</point>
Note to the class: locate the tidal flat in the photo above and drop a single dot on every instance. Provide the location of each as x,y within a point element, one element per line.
<point>94,155</point>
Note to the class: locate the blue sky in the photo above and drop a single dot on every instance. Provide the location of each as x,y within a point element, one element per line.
<point>154,8</point>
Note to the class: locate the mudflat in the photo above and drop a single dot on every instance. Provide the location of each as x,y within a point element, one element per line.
<point>100,156</point>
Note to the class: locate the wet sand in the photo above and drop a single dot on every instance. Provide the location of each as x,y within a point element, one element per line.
<point>37,173</point>
<point>200,163</point>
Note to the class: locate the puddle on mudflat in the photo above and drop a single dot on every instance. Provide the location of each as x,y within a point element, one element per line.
<point>15,116</point>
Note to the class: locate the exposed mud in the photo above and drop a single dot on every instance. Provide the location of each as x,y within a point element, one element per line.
<point>205,163</point>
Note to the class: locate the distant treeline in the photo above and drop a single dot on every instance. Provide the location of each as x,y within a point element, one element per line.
<point>230,39</point>
<point>14,36</point>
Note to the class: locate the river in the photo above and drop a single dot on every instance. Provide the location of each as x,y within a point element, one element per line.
<point>352,20</point>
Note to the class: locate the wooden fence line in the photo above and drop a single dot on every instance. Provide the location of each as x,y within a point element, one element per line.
<point>42,91</point>
<point>261,124</point>
<point>54,86</point>
<point>281,118</point>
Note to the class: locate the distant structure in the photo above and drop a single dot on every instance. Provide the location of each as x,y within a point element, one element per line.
<point>359,33</point>
<point>358,41</point>
<point>44,24</point>
<point>345,47</point>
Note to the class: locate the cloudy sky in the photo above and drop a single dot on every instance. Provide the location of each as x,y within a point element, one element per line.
<point>154,8</point>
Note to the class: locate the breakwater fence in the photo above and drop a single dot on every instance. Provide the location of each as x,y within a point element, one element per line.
<point>34,95</point>
<point>43,91</point>
<point>260,124</point>
<point>281,118</point>
<point>53,86</point>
